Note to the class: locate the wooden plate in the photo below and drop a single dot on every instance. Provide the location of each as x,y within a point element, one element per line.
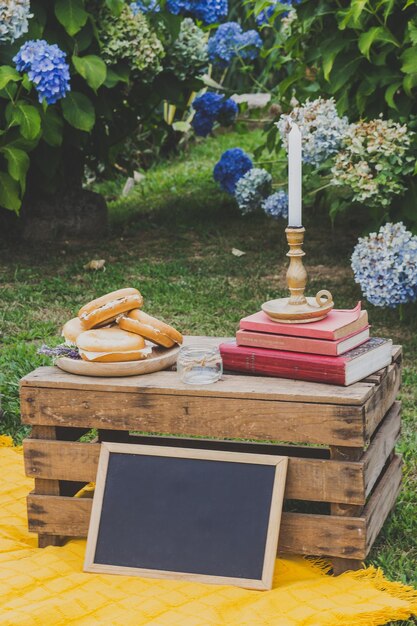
<point>160,359</point>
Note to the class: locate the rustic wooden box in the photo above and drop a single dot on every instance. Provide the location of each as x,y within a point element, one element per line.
<point>340,487</point>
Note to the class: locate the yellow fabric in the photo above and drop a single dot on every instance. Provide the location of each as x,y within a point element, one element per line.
<point>48,587</point>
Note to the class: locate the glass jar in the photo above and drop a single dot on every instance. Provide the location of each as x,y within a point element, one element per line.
<point>199,365</point>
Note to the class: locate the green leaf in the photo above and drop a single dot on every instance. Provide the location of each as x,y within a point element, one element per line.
<point>78,111</point>
<point>52,126</point>
<point>8,74</point>
<point>18,163</point>
<point>329,53</point>
<point>209,82</point>
<point>115,6</point>
<point>92,69</point>
<point>9,193</point>
<point>71,14</point>
<point>376,33</point>
<point>182,127</point>
<point>119,74</point>
<point>409,59</point>
<point>27,117</point>
<point>390,93</point>
<point>351,15</point>
<point>409,83</point>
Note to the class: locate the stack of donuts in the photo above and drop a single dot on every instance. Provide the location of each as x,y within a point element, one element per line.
<point>113,329</point>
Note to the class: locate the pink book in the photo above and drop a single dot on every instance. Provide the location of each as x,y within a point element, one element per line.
<point>338,324</point>
<point>301,344</point>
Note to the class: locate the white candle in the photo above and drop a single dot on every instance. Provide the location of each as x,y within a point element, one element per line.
<point>294,177</point>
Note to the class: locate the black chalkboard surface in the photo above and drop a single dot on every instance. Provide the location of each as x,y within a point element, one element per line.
<point>204,515</point>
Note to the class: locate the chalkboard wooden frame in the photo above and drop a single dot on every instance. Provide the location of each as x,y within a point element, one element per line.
<point>271,543</point>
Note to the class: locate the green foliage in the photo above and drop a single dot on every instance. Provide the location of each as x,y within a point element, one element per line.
<point>363,53</point>
<point>118,78</point>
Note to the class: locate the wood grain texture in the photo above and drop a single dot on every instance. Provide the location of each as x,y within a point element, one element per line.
<point>204,416</point>
<point>343,509</point>
<point>382,446</point>
<point>231,386</point>
<point>383,500</point>
<point>46,486</point>
<point>300,533</point>
<point>322,535</point>
<point>307,478</point>
<point>381,401</point>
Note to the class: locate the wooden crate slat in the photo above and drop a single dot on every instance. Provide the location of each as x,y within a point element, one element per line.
<point>300,533</point>
<point>307,479</point>
<point>232,385</point>
<point>383,500</point>
<point>215,417</point>
<point>383,398</point>
<point>381,447</point>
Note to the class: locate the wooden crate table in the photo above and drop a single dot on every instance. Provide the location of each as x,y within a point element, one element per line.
<point>340,488</point>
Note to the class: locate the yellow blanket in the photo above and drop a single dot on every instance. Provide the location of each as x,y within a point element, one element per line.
<point>48,587</point>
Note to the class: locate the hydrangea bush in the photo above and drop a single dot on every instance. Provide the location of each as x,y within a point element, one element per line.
<point>385,266</point>
<point>374,161</point>
<point>79,78</point>
<point>230,41</point>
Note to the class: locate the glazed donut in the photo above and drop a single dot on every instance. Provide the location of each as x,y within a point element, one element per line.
<point>111,345</point>
<point>106,309</point>
<point>149,327</point>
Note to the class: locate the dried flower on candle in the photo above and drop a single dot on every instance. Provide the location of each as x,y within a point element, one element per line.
<point>385,266</point>
<point>321,128</point>
<point>63,350</point>
<point>251,189</point>
<point>373,162</point>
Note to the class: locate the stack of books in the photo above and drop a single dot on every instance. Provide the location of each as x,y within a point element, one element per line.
<point>336,350</point>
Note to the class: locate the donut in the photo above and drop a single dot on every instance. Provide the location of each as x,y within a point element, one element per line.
<point>105,309</point>
<point>151,328</point>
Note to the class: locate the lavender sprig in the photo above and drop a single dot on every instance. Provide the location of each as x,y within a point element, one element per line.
<point>59,351</point>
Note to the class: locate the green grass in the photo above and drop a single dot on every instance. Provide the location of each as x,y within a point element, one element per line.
<point>172,238</point>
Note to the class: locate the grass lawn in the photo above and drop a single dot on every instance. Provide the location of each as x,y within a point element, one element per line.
<point>172,238</point>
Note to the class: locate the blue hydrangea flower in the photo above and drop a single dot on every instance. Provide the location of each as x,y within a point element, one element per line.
<point>265,15</point>
<point>251,189</point>
<point>233,164</point>
<point>208,11</point>
<point>385,266</point>
<point>14,18</point>
<point>228,112</point>
<point>209,108</point>
<point>230,41</point>
<point>46,68</point>
<point>276,205</point>
<point>148,6</point>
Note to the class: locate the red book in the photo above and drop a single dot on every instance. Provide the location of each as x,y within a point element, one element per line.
<point>336,370</point>
<point>337,324</point>
<point>301,344</point>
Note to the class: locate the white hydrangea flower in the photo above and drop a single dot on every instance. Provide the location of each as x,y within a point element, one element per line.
<point>322,129</point>
<point>14,18</point>
<point>385,266</point>
<point>252,188</point>
<point>374,160</point>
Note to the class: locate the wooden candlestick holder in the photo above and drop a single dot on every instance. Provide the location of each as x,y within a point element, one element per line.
<point>297,308</point>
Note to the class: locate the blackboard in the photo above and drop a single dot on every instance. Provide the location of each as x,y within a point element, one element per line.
<point>203,515</point>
